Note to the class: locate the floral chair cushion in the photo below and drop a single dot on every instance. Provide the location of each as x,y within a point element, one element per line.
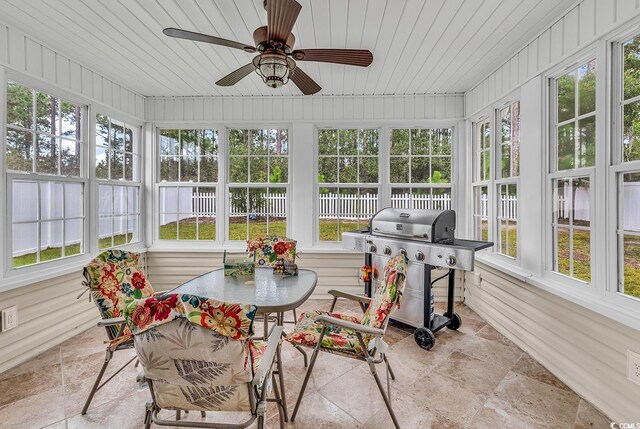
<point>229,320</point>
<point>195,351</point>
<point>388,293</point>
<point>307,332</point>
<point>114,278</point>
<point>267,250</point>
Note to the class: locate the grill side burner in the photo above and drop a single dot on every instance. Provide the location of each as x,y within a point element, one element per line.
<point>426,238</point>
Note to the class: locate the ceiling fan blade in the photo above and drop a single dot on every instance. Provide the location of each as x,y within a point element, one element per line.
<point>302,80</point>
<point>350,57</point>
<point>281,17</point>
<point>236,76</point>
<point>199,37</point>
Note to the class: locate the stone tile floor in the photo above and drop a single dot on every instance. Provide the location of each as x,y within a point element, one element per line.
<point>473,378</point>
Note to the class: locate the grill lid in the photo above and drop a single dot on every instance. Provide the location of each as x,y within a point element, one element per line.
<point>434,226</point>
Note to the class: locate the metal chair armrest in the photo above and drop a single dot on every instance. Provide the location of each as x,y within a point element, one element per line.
<point>269,355</point>
<point>141,378</point>
<point>111,322</point>
<point>350,296</point>
<point>328,320</point>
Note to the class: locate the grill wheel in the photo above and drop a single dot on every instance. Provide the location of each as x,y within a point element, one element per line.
<point>424,338</point>
<point>455,322</point>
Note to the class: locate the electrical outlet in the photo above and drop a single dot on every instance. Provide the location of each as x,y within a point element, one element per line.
<point>633,370</point>
<point>9,318</point>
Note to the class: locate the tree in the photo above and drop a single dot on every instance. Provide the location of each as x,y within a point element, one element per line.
<point>631,115</point>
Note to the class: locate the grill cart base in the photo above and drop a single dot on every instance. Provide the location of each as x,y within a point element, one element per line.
<point>425,336</point>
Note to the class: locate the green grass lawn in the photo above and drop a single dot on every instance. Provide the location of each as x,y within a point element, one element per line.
<point>51,253</point>
<point>331,230</point>
<point>581,254</point>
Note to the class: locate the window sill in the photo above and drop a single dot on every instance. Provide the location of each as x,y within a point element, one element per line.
<point>602,305</point>
<point>32,274</point>
<point>500,264</point>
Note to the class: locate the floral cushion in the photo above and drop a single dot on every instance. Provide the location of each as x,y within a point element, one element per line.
<point>307,332</point>
<point>267,250</point>
<point>388,293</point>
<point>114,278</point>
<point>257,350</point>
<point>230,320</point>
<point>195,351</point>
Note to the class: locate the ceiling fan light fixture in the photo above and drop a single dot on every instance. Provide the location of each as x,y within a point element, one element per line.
<point>274,69</point>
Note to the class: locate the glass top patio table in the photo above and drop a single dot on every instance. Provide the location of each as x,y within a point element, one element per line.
<point>271,293</point>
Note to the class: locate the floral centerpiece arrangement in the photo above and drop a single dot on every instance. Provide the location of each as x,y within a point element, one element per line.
<point>267,250</point>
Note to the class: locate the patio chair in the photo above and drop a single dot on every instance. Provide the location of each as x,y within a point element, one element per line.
<point>353,337</point>
<point>113,277</point>
<point>197,355</point>
<point>266,251</point>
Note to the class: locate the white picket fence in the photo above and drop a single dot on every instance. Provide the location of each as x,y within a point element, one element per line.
<point>421,202</point>
<point>508,206</point>
<point>347,206</point>
<point>203,204</point>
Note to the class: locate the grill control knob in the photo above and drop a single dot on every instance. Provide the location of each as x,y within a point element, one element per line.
<point>387,251</point>
<point>403,252</point>
<point>451,260</point>
<point>419,256</point>
<point>373,248</point>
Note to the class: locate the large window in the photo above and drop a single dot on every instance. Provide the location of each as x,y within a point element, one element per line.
<point>481,178</point>
<point>117,167</point>
<point>420,168</point>
<point>626,160</point>
<point>188,184</point>
<point>258,184</point>
<point>507,179</point>
<point>347,180</point>
<point>44,143</point>
<point>573,148</point>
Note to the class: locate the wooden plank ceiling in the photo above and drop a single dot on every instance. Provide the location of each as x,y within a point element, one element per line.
<point>419,46</point>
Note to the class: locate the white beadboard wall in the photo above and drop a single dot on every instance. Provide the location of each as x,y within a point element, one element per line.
<point>584,349</point>
<point>304,108</point>
<point>48,314</point>
<point>167,270</point>
<point>587,21</point>
<point>23,54</point>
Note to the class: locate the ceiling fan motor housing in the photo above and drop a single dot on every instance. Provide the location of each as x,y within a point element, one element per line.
<point>261,39</point>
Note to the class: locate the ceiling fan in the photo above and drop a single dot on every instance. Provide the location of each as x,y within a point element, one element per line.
<point>275,61</point>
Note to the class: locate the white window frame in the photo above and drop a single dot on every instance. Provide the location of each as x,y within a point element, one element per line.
<point>341,185</point>
<point>384,175</point>
<point>616,168</point>
<point>158,184</point>
<point>552,174</point>
<point>228,185</point>
<point>21,275</point>
<point>137,175</point>
<point>499,181</point>
<point>476,182</point>
<point>428,186</point>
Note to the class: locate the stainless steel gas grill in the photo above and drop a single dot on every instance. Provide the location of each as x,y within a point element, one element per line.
<point>427,238</point>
